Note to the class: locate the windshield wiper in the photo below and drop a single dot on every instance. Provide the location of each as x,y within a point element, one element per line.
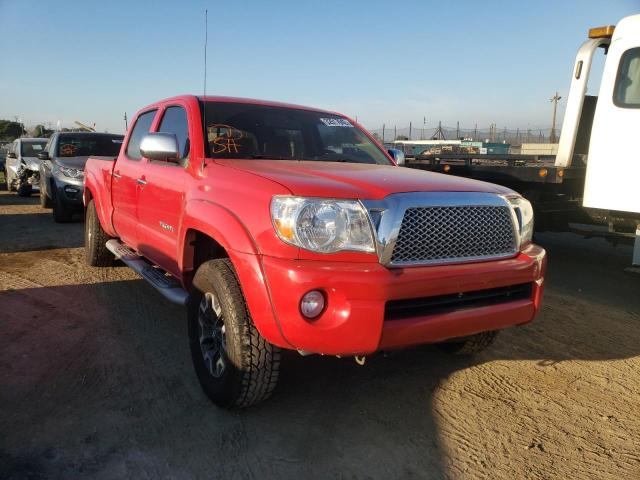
<point>269,157</point>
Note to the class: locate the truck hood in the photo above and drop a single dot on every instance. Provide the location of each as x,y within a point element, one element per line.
<point>356,180</point>
<point>72,162</point>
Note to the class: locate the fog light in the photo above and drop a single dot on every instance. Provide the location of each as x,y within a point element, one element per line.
<point>312,304</point>
<point>446,168</point>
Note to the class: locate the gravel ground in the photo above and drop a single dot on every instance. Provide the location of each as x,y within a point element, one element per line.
<point>96,382</point>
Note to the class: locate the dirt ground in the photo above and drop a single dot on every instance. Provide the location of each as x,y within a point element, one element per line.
<point>96,382</point>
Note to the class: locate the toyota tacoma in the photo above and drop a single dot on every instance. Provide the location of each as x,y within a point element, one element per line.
<point>286,227</point>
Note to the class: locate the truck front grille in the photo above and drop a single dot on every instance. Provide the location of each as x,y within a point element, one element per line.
<point>443,234</point>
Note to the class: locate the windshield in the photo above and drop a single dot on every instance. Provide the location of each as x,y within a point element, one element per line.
<point>101,145</point>
<point>32,149</point>
<point>241,130</point>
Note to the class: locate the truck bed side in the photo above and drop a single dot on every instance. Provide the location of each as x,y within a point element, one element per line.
<point>97,186</point>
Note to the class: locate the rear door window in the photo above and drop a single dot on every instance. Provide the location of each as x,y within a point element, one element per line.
<point>174,121</point>
<point>140,129</point>
<point>627,90</point>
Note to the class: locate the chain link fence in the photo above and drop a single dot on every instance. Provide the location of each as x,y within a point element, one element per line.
<point>513,136</point>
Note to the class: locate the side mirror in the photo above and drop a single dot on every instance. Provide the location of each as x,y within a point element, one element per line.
<point>43,156</point>
<point>160,146</point>
<point>398,155</point>
<point>11,155</point>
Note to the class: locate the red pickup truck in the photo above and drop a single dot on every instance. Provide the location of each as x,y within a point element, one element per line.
<point>287,227</point>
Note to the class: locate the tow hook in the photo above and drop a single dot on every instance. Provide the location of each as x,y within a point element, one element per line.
<point>360,360</point>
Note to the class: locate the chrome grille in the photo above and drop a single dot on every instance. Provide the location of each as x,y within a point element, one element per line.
<point>440,234</point>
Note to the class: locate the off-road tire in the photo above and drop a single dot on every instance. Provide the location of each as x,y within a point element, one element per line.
<point>45,201</point>
<point>61,214</point>
<point>469,345</point>
<point>96,253</point>
<point>251,372</point>
<point>24,190</point>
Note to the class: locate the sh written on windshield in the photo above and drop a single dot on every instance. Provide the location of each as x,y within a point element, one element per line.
<point>247,131</point>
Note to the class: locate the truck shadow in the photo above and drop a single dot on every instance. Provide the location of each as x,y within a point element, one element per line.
<point>32,232</point>
<point>97,378</point>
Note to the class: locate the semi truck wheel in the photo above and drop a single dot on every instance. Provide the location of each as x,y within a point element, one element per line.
<point>96,253</point>
<point>469,345</point>
<point>236,367</point>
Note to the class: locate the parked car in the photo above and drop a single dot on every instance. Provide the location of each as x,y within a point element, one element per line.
<point>281,226</point>
<point>22,165</point>
<point>62,168</point>
<point>4,148</point>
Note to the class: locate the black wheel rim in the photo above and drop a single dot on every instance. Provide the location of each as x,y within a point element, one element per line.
<point>212,338</point>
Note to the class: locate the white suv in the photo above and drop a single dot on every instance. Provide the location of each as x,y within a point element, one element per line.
<point>22,165</point>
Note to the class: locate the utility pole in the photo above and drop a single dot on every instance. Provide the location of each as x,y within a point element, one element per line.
<point>395,133</point>
<point>424,126</point>
<point>383,133</point>
<point>457,130</point>
<point>475,133</point>
<point>409,130</point>
<point>126,123</point>
<point>554,100</point>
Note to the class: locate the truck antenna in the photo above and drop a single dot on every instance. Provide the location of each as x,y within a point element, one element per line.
<point>204,94</point>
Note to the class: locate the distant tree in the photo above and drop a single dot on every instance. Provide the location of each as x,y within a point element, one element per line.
<point>41,131</point>
<point>402,137</point>
<point>10,130</point>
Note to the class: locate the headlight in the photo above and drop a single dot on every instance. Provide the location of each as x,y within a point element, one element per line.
<point>322,225</point>
<point>524,212</point>
<point>71,172</point>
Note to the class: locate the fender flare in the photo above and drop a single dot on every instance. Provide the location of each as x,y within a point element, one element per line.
<point>223,226</point>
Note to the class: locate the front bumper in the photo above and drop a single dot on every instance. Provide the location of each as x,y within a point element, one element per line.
<point>354,319</point>
<point>70,190</point>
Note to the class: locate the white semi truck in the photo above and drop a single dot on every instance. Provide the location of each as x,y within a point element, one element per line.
<point>595,176</point>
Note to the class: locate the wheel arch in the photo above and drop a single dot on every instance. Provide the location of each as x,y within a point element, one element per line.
<point>211,231</point>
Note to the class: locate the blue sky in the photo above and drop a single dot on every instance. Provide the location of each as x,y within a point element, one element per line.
<point>385,62</point>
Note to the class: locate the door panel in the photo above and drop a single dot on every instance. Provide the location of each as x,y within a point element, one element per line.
<point>161,196</point>
<point>160,206</point>
<point>124,195</point>
<point>124,186</point>
<point>613,166</point>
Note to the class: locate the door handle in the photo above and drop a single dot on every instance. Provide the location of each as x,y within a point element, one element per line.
<point>116,175</point>
<point>141,181</point>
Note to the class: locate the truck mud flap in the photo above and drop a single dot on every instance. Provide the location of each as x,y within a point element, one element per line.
<point>167,285</point>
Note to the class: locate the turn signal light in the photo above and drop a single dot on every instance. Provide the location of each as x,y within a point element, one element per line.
<point>446,168</point>
<point>602,32</point>
<point>543,172</point>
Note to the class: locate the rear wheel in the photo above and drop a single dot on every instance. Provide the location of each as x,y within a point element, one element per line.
<point>96,253</point>
<point>61,213</point>
<point>469,345</point>
<point>236,367</point>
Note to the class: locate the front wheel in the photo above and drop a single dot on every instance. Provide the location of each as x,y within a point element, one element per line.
<point>469,345</point>
<point>24,190</point>
<point>235,366</point>
<point>45,201</point>
<point>61,213</point>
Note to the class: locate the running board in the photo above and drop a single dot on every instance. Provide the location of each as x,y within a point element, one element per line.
<point>167,285</point>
